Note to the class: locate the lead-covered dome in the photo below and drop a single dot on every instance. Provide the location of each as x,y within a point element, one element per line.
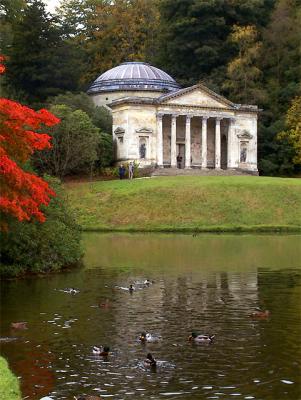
<point>134,76</point>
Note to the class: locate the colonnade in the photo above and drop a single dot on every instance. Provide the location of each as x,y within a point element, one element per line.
<point>173,144</point>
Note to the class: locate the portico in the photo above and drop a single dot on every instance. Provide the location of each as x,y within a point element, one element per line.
<point>191,131</point>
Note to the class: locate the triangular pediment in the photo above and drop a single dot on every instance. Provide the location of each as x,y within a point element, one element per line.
<point>197,95</point>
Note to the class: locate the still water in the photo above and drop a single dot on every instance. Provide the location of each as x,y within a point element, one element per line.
<point>208,283</point>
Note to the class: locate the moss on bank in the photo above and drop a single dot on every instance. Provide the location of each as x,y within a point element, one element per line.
<point>9,384</point>
<point>189,203</point>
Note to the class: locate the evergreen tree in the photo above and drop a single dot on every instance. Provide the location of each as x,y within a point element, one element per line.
<point>282,76</point>
<point>40,62</point>
<point>193,41</point>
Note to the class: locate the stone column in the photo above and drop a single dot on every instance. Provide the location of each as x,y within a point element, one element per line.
<point>218,143</point>
<point>173,142</point>
<point>204,142</point>
<point>159,140</point>
<point>188,142</point>
<point>230,143</point>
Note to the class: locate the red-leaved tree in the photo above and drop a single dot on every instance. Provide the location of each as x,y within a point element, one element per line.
<point>22,193</point>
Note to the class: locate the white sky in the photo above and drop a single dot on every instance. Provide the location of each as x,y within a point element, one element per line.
<point>51,4</point>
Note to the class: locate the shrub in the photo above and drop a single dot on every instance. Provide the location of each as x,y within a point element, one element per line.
<point>42,247</point>
<point>74,144</point>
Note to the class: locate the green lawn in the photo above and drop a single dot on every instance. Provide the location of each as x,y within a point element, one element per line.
<point>9,384</point>
<point>189,203</point>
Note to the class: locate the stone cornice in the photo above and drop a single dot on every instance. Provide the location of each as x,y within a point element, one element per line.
<point>161,107</point>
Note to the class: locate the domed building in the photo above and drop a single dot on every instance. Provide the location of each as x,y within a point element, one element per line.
<point>158,123</point>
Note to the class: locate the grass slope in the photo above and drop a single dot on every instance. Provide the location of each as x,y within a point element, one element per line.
<point>9,384</point>
<point>189,203</point>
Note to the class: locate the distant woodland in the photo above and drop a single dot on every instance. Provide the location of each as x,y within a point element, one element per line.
<point>248,51</point>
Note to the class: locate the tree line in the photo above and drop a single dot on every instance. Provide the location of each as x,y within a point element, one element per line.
<point>248,51</point>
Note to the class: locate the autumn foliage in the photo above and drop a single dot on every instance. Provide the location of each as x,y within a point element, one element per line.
<point>22,193</point>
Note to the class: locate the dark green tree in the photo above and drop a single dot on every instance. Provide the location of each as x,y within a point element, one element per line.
<point>100,116</point>
<point>280,63</point>
<point>41,62</point>
<point>74,144</point>
<point>193,41</point>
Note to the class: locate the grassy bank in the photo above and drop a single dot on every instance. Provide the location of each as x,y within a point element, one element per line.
<point>189,203</point>
<point>9,384</point>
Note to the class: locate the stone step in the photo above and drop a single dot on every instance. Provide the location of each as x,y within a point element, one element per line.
<point>199,172</point>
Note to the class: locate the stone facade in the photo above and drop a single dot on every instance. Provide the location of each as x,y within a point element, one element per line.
<point>185,128</point>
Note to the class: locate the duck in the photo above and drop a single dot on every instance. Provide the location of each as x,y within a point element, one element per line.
<point>150,362</point>
<point>145,337</point>
<point>195,337</point>
<point>101,351</point>
<point>19,325</point>
<point>131,288</point>
<point>106,304</point>
<point>260,313</point>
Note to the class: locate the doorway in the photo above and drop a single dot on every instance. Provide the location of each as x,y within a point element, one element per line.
<point>180,156</point>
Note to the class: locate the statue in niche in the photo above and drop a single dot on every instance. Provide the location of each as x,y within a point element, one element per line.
<point>142,150</point>
<point>243,154</point>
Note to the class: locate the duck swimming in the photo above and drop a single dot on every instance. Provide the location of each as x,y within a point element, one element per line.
<point>106,304</point>
<point>148,338</point>
<point>131,288</point>
<point>150,362</point>
<point>19,325</point>
<point>260,313</point>
<point>145,337</point>
<point>101,351</point>
<point>195,337</point>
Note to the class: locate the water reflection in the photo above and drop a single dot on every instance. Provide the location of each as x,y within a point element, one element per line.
<point>209,284</point>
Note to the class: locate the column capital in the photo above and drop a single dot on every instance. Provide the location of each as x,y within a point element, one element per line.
<point>160,115</point>
<point>188,118</point>
<point>218,119</point>
<point>204,117</point>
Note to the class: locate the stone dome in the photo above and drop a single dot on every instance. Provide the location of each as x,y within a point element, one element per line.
<point>137,76</point>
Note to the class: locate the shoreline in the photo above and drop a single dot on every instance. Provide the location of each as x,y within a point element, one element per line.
<point>217,229</point>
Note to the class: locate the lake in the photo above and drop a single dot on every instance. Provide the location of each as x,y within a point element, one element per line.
<point>205,283</point>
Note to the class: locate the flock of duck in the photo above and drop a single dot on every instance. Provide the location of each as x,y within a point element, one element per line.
<point>149,361</point>
<point>145,337</point>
